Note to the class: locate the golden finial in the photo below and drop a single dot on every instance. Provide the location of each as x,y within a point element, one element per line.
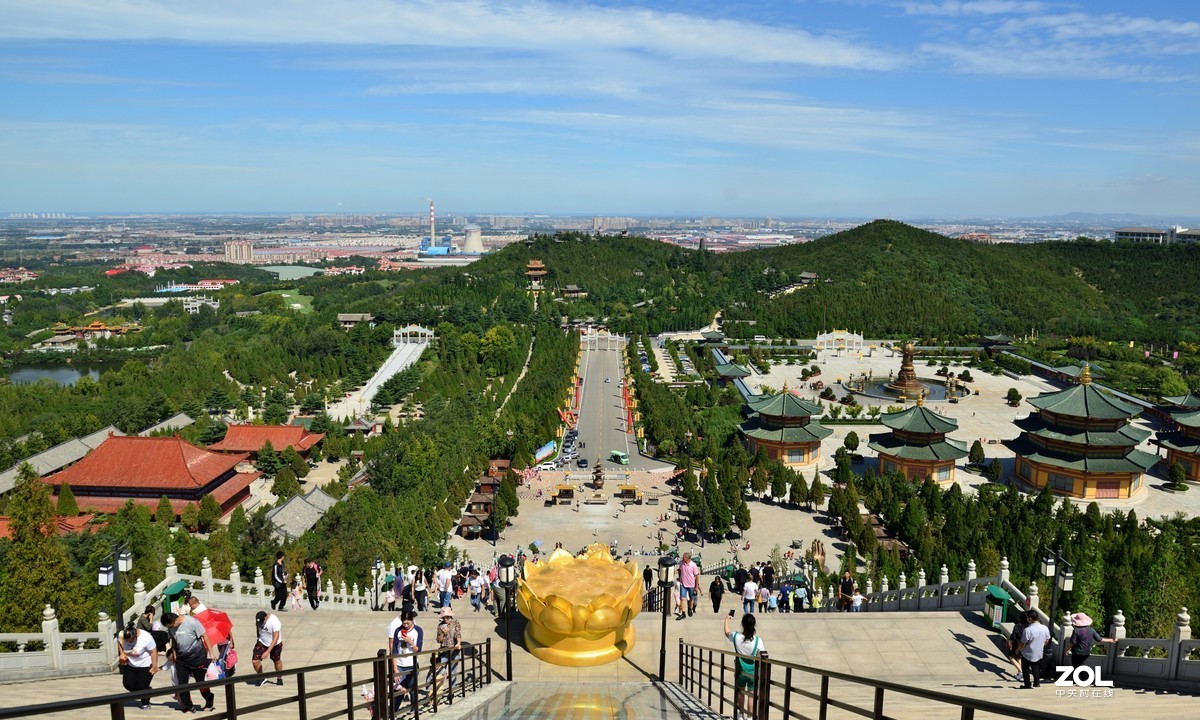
<point>921,399</point>
<point>785,387</point>
<point>1085,375</point>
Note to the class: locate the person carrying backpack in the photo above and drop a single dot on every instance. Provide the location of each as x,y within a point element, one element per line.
<point>747,643</point>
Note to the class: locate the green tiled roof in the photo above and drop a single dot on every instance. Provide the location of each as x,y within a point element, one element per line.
<point>783,404</point>
<point>811,432</point>
<point>998,338</point>
<point>712,335</point>
<point>889,444</point>
<point>1187,402</point>
<point>1180,442</point>
<point>1077,370</point>
<point>1187,419</point>
<point>1135,461</point>
<point>1084,400</point>
<point>920,419</point>
<point>1126,436</point>
<point>730,370</point>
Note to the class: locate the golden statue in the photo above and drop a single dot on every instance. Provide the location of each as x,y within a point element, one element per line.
<point>580,609</point>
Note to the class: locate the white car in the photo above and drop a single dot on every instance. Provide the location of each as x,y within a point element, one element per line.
<point>607,379</point>
<point>548,465</point>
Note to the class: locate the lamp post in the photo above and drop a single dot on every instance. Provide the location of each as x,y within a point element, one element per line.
<point>508,581</point>
<point>376,573</point>
<point>666,578</point>
<point>118,561</point>
<point>1055,567</point>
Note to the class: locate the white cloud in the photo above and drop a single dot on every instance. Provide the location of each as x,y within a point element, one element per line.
<point>522,25</point>
<point>975,7</point>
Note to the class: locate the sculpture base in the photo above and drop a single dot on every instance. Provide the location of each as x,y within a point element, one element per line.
<point>586,650</point>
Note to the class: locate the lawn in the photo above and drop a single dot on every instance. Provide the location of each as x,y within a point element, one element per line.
<point>294,300</point>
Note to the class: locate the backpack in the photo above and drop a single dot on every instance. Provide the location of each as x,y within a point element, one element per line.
<point>745,667</point>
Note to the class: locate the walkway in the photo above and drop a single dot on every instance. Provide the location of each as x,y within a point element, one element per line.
<point>524,369</point>
<point>358,403</point>
<point>950,652</point>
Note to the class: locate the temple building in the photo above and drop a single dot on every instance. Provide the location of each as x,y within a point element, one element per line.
<point>782,425</point>
<point>1183,443</point>
<point>728,372</point>
<point>250,439</point>
<point>535,273</point>
<point>1080,443</point>
<point>144,469</point>
<point>917,446</point>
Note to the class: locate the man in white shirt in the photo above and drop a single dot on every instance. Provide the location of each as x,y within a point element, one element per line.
<point>1033,645</point>
<point>443,581</point>
<point>270,643</point>
<point>476,587</point>
<point>749,596</point>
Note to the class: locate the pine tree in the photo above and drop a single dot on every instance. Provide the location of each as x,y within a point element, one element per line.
<point>165,514</point>
<point>285,485</point>
<point>816,492</point>
<point>851,441</point>
<point>238,523</point>
<point>37,569</point>
<point>798,493</point>
<point>778,482</point>
<point>268,460</point>
<point>190,517</point>
<point>67,507</point>
<point>741,516</point>
<point>289,457</point>
<point>210,513</point>
<point>994,471</point>
<point>975,456</point>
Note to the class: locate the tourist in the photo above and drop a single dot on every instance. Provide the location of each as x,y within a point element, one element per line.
<point>279,582</point>
<point>443,582</point>
<point>195,607</point>
<point>297,596</point>
<point>270,644</point>
<point>139,660</point>
<point>389,597</point>
<point>146,622</point>
<point>476,587</point>
<point>772,601</point>
<point>748,643</point>
<point>716,589</point>
<point>449,639</point>
<point>312,580</point>
<point>689,573</point>
<point>785,596</point>
<point>407,640</point>
<point>191,655</point>
<point>768,576</point>
<point>1014,641</point>
<point>764,598</point>
<point>845,591</point>
<point>1079,645</point>
<point>749,596</point>
<point>647,577</point>
<point>856,601</point>
<point>800,598</point>
<point>1033,643</point>
<point>740,576</point>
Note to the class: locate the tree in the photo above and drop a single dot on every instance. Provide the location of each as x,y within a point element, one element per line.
<point>798,493</point>
<point>741,516</point>
<point>165,514</point>
<point>779,483</point>
<point>37,569</point>
<point>760,480</point>
<point>1176,475</point>
<point>190,517</point>
<point>239,523</point>
<point>210,513</point>
<point>67,507</point>
<point>994,471</point>
<point>851,441</point>
<point>975,456</point>
<point>288,456</point>
<point>268,460</point>
<point>816,492</point>
<point>286,485</point>
<point>1013,397</point>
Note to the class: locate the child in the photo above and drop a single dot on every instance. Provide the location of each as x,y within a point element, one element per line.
<point>389,597</point>
<point>856,601</point>
<point>296,596</point>
<point>772,603</point>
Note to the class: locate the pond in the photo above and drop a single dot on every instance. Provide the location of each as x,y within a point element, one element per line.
<point>292,272</point>
<point>29,373</point>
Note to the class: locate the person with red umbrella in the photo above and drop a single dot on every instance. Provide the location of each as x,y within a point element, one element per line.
<point>219,629</point>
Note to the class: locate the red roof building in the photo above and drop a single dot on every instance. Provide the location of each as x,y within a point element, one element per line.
<point>143,469</point>
<point>250,438</point>
<point>64,525</point>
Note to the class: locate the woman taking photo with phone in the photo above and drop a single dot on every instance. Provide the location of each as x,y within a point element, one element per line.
<point>748,643</point>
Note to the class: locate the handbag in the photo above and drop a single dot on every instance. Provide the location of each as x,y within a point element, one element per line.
<point>231,658</point>
<point>216,671</point>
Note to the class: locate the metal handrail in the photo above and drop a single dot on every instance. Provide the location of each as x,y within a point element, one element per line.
<point>474,671</point>
<point>693,673</point>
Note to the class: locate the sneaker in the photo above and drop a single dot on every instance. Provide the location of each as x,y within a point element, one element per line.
<point>279,681</point>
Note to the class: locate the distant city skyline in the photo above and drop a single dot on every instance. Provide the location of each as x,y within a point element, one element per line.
<point>818,108</point>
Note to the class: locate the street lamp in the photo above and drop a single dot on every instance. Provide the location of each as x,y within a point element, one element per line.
<point>120,560</point>
<point>508,581</point>
<point>1055,567</point>
<point>666,578</point>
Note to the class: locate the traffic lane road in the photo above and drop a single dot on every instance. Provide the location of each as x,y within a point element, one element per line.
<point>602,418</point>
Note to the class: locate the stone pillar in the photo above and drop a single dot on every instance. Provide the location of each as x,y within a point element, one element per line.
<point>342,599</point>
<point>1064,631</point>
<point>139,595</point>
<point>1031,599</point>
<point>260,588</point>
<point>1004,570</point>
<point>870,586</point>
<point>108,638</point>
<point>53,639</point>
<point>328,593</point>
<point>970,571</point>
<point>1175,654</point>
<point>171,574</point>
<point>235,579</point>
<point>943,575</point>
<point>921,577</point>
<point>354,595</point>
<point>1117,632</point>
<point>883,584</point>
<point>903,581</point>
<point>207,578</point>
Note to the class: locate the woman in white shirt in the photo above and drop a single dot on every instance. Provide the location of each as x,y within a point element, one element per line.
<point>748,643</point>
<point>139,660</point>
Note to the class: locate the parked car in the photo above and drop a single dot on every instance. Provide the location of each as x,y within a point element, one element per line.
<point>582,463</point>
<point>548,465</point>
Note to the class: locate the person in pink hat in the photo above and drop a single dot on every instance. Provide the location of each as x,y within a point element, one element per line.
<point>1083,638</point>
<point>449,639</point>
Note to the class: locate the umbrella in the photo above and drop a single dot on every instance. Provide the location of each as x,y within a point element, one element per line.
<point>217,625</point>
<point>537,543</point>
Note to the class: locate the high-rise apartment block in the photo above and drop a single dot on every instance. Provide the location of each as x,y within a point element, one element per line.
<point>239,252</point>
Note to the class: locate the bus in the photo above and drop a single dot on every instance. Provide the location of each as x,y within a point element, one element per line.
<point>619,457</point>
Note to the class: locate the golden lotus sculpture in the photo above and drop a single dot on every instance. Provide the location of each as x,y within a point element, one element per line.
<point>580,608</point>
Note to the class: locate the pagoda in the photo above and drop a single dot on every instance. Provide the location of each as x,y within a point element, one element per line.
<point>1080,443</point>
<point>1183,443</point>
<point>917,446</point>
<point>535,272</point>
<point>782,425</point>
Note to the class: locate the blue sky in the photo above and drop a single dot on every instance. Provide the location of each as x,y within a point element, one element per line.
<point>805,108</point>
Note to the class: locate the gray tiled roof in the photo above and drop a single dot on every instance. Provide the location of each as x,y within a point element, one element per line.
<point>57,457</point>
<point>175,422</point>
<point>299,514</point>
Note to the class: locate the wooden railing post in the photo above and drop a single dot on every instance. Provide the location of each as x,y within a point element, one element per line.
<point>762,698</point>
<point>382,690</point>
<point>824,711</point>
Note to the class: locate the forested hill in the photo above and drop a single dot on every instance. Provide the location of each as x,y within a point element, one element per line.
<point>885,279</point>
